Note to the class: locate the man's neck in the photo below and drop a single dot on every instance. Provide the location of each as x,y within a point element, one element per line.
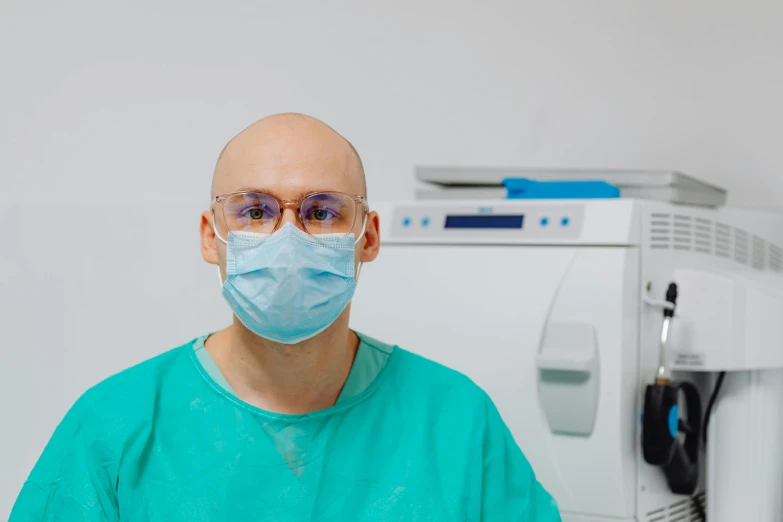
<point>289,379</point>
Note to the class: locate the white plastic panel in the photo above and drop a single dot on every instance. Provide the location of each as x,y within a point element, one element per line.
<point>745,456</point>
<point>482,311</point>
<point>724,323</point>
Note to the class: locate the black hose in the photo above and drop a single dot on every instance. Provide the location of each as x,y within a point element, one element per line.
<point>711,403</point>
<point>713,397</point>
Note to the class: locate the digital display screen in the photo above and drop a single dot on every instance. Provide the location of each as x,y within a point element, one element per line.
<point>485,221</point>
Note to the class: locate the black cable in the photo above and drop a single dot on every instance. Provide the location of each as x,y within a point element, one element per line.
<point>711,403</point>
<point>713,397</point>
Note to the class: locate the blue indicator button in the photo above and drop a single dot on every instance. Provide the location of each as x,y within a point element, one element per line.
<point>565,221</point>
<point>674,421</point>
<point>544,222</point>
<point>425,221</point>
<point>406,222</point>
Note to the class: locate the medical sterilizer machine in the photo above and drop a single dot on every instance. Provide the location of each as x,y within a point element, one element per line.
<point>555,307</point>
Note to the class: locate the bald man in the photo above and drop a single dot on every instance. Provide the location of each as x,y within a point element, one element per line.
<point>287,414</point>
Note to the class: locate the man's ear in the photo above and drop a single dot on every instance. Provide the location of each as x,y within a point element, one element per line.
<point>372,239</point>
<point>208,239</point>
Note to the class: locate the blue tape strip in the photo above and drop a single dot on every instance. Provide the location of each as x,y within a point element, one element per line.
<point>523,188</point>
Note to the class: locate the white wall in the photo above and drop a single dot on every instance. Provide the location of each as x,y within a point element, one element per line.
<point>134,103</point>
<point>143,98</point>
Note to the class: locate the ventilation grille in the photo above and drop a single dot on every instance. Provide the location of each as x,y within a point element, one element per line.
<point>682,511</point>
<point>776,258</point>
<point>694,234</point>
<point>703,239</point>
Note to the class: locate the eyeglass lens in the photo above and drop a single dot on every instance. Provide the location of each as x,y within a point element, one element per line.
<point>322,213</point>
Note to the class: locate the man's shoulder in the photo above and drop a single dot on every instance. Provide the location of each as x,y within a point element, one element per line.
<point>426,378</point>
<point>97,428</point>
<point>136,385</point>
<point>436,371</point>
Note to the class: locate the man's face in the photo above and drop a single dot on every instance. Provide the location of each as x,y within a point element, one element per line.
<point>288,156</point>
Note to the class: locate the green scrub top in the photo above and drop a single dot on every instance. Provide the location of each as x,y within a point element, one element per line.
<point>371,357</point>
<point>163,441</point>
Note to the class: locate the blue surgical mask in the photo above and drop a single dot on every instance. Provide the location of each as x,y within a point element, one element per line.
<point>289,286</point>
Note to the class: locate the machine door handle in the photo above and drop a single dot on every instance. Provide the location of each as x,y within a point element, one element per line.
<point>562,363</point>
<point>569,377</point>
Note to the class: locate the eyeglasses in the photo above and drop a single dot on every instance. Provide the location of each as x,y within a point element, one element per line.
<point>318,213</point>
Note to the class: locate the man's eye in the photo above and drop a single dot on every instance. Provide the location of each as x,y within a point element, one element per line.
<point>255,213</point>
<point>320,214</point>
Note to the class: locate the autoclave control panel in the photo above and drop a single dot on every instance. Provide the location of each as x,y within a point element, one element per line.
<point>555,221</point>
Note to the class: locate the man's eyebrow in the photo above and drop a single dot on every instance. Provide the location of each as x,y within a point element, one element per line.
<point>253,189</point>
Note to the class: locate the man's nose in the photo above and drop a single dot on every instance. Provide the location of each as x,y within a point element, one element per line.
<point>289,216</point>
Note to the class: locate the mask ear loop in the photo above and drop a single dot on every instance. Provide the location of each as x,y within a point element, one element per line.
<point>364,229</point>
<point>214,229</point>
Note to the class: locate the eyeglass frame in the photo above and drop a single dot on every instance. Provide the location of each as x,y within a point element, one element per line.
<point>293,204</point>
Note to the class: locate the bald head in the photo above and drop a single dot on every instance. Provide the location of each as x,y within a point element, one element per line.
<point>289,155</point>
